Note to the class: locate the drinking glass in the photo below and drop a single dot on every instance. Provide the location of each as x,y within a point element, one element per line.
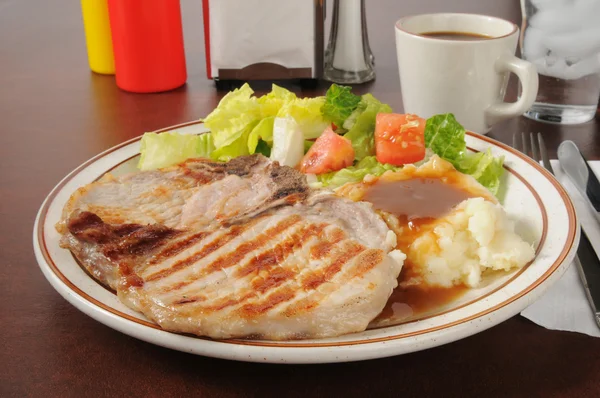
<point>562,39</point>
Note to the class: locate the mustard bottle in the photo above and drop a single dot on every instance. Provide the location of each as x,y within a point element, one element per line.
<point>97,36</point>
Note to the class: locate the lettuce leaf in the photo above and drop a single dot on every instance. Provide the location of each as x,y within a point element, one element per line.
<point>263,148</point>
<point>288,142</point>
<point>446,137</point>
<point>484,167</point>
<point>238,147</point>
<point>271,103</point>
<point>307,113</point>
<point>356,173</point>
<point>339,104</point>
<point>231,118</point>
<point>262,131</point>
<point>241,121</point>
<point>361,125</point>
<point>167,149</point>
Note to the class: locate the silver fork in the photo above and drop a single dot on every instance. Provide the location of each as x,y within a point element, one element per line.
<point>533,149</point>
<point>527,144</point>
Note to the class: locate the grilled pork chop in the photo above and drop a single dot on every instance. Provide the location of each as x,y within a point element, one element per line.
<point>158,197</point>
<point>242,249</point>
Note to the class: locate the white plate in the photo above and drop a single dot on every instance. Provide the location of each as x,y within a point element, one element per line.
<point>542,207</point>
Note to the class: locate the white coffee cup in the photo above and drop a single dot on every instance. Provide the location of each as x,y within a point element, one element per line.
<point>466,78</point>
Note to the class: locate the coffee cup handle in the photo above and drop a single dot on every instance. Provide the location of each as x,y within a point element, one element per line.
<point>527,74</point>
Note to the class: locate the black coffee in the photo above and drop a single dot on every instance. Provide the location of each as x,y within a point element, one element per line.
<point>461,36</point>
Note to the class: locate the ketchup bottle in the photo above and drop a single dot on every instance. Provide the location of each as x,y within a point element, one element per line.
<point>148,44</point>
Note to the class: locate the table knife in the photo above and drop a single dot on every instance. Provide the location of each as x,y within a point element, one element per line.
<point>577,168</point>
<point>587,262</point>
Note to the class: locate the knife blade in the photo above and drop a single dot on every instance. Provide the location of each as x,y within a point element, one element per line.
<point>587,262</point>
<point>577,168</point>
<point>588,267</point>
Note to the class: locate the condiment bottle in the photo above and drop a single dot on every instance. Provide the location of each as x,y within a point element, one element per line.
<point>348,58</point>
<point>148,44</point>
<point>97,36</point>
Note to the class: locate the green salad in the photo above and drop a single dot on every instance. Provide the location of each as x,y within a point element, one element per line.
<point>340,137</point>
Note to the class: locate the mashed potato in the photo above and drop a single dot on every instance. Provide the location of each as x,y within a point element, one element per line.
<point>458,248</point>
<point>451,240</point>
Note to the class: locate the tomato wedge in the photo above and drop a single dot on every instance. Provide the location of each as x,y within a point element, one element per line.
<point>330,152</point>
<point>399,139</point>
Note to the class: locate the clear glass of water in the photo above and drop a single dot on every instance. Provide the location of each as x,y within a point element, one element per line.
<point>562,39</point>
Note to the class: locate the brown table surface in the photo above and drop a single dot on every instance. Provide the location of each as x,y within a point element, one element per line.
<point>55,114</point>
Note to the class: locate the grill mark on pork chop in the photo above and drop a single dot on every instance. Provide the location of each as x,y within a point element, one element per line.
<point>128,276</point>
<point>278,254</point>
<point>224,279</point>
<point>177,247</point>
<point>371,258</point>
<point>216,244</point>
<point>119,240</point>
<point>275,278</point>
<point>305,304</point>
<point>322,248</point>
<point>225,302</point>
<point>319,277</point>
<point>318,251</point>
<point>367,261</point>
<point>273,299</point>
<point>287,293</point>
<point>268,262</point>
<point>229,259</point>
<point>315,279</point>
<point>88,227</point>
<point>187,300</point>
<point>142,241</point>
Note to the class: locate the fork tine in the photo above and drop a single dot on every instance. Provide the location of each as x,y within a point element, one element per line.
<point>535,152</point>
<point>544,153</point>
<point>525,149</point>
<point>516,141</point>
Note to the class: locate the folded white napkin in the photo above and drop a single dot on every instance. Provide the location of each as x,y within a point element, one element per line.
<point>564,306</point>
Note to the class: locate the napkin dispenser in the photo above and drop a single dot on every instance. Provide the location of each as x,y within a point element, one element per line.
<point>263,39</point>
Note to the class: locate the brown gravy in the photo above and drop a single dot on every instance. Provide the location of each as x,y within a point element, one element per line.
<point>417,203</point>
<point>409,302</point>
<point>416,197</point>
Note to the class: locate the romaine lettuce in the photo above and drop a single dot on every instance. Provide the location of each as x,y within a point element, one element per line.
<point>167,149</point>
<point>288,142</point>
<point>484,167</point>
<point>262,131</point>
<point>271,103</point>
<point>241,120</point>
<point>446,137</point>
<point>231,118</point>
<point>339,104</point>
<point>307,113</point>
<point>361,125</point>
<point>356,173</point>
<point>239,147</point>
